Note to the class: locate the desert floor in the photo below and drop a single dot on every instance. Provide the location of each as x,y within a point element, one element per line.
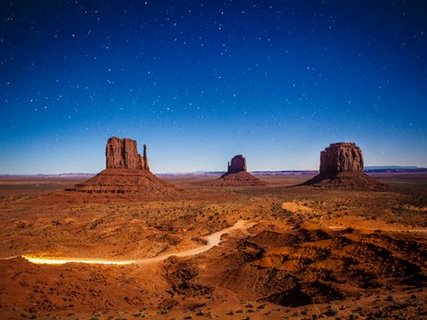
<point>296,252</point>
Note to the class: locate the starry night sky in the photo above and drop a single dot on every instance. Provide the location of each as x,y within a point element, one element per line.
<point>201,81</point>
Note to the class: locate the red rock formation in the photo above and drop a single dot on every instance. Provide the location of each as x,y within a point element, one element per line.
<point>238,164</point>
<point>123,154</point>
<point>241,178</point>
<point>145,159</point>
<point>126,172</point>
<point>341,165</point>
<point>236,175</point>
<point>341,157</point>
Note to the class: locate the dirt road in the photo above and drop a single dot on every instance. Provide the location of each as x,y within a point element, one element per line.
<point>212,240</point>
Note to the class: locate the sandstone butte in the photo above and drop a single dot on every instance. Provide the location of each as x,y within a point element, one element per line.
<point>127,172</point>
<point>123,154</point>
<point>237,174</point>
<point>341,166</point>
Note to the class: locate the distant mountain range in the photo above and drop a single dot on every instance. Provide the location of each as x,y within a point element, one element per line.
<point>372,169</point>
<point>394,169</point>
<point>391,168</point>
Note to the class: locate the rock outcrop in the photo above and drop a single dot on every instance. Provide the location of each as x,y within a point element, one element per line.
<point>341,165</point>
<point>127,172</point>
<point>123,154</point>
<point>236,175</point>
<point>341,157</point>
<point>237,164</point>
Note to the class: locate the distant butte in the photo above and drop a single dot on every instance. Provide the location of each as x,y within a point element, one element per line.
<point>341,166</point>
<point>237,174</point>
<point>237,164</point>
<point>126,172</point>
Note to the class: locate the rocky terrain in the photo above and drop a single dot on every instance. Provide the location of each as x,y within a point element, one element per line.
<point>305,266</point>
<point>311,252</point>
<point>341,166</point>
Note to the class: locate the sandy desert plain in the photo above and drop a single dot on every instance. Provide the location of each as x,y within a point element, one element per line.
<point>298,252</point>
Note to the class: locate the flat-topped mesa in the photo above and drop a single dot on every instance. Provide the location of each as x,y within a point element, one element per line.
<point>123,154</point>
<point>238,164</point>
<point>341,157</point>
<point>341,166</point>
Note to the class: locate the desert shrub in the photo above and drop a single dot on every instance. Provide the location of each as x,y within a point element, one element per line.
<point>331,311</point>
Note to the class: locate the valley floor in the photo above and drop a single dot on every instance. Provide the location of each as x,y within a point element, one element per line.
<point>309,253</point>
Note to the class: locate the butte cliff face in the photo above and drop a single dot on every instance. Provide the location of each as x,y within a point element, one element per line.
<point>341,157</point>
<point>341,165</point>
<point>123,154</point>
<point>237,164</point>
<point>127,172</point>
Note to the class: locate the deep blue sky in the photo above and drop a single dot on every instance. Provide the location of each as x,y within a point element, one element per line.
<point>201,81</point>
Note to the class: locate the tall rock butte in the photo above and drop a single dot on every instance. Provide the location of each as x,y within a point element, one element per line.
<point>341,157</point>
<point>236,175</point>
<point>127,172</point>
<point>123,154</point>
<point>341,165</point>
<point>237,164</point>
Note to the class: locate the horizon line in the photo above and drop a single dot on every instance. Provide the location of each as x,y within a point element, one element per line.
<point>373,167</point>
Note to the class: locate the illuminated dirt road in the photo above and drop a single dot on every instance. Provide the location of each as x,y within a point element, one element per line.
<point>212,240</point>
<point>39,260</point>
